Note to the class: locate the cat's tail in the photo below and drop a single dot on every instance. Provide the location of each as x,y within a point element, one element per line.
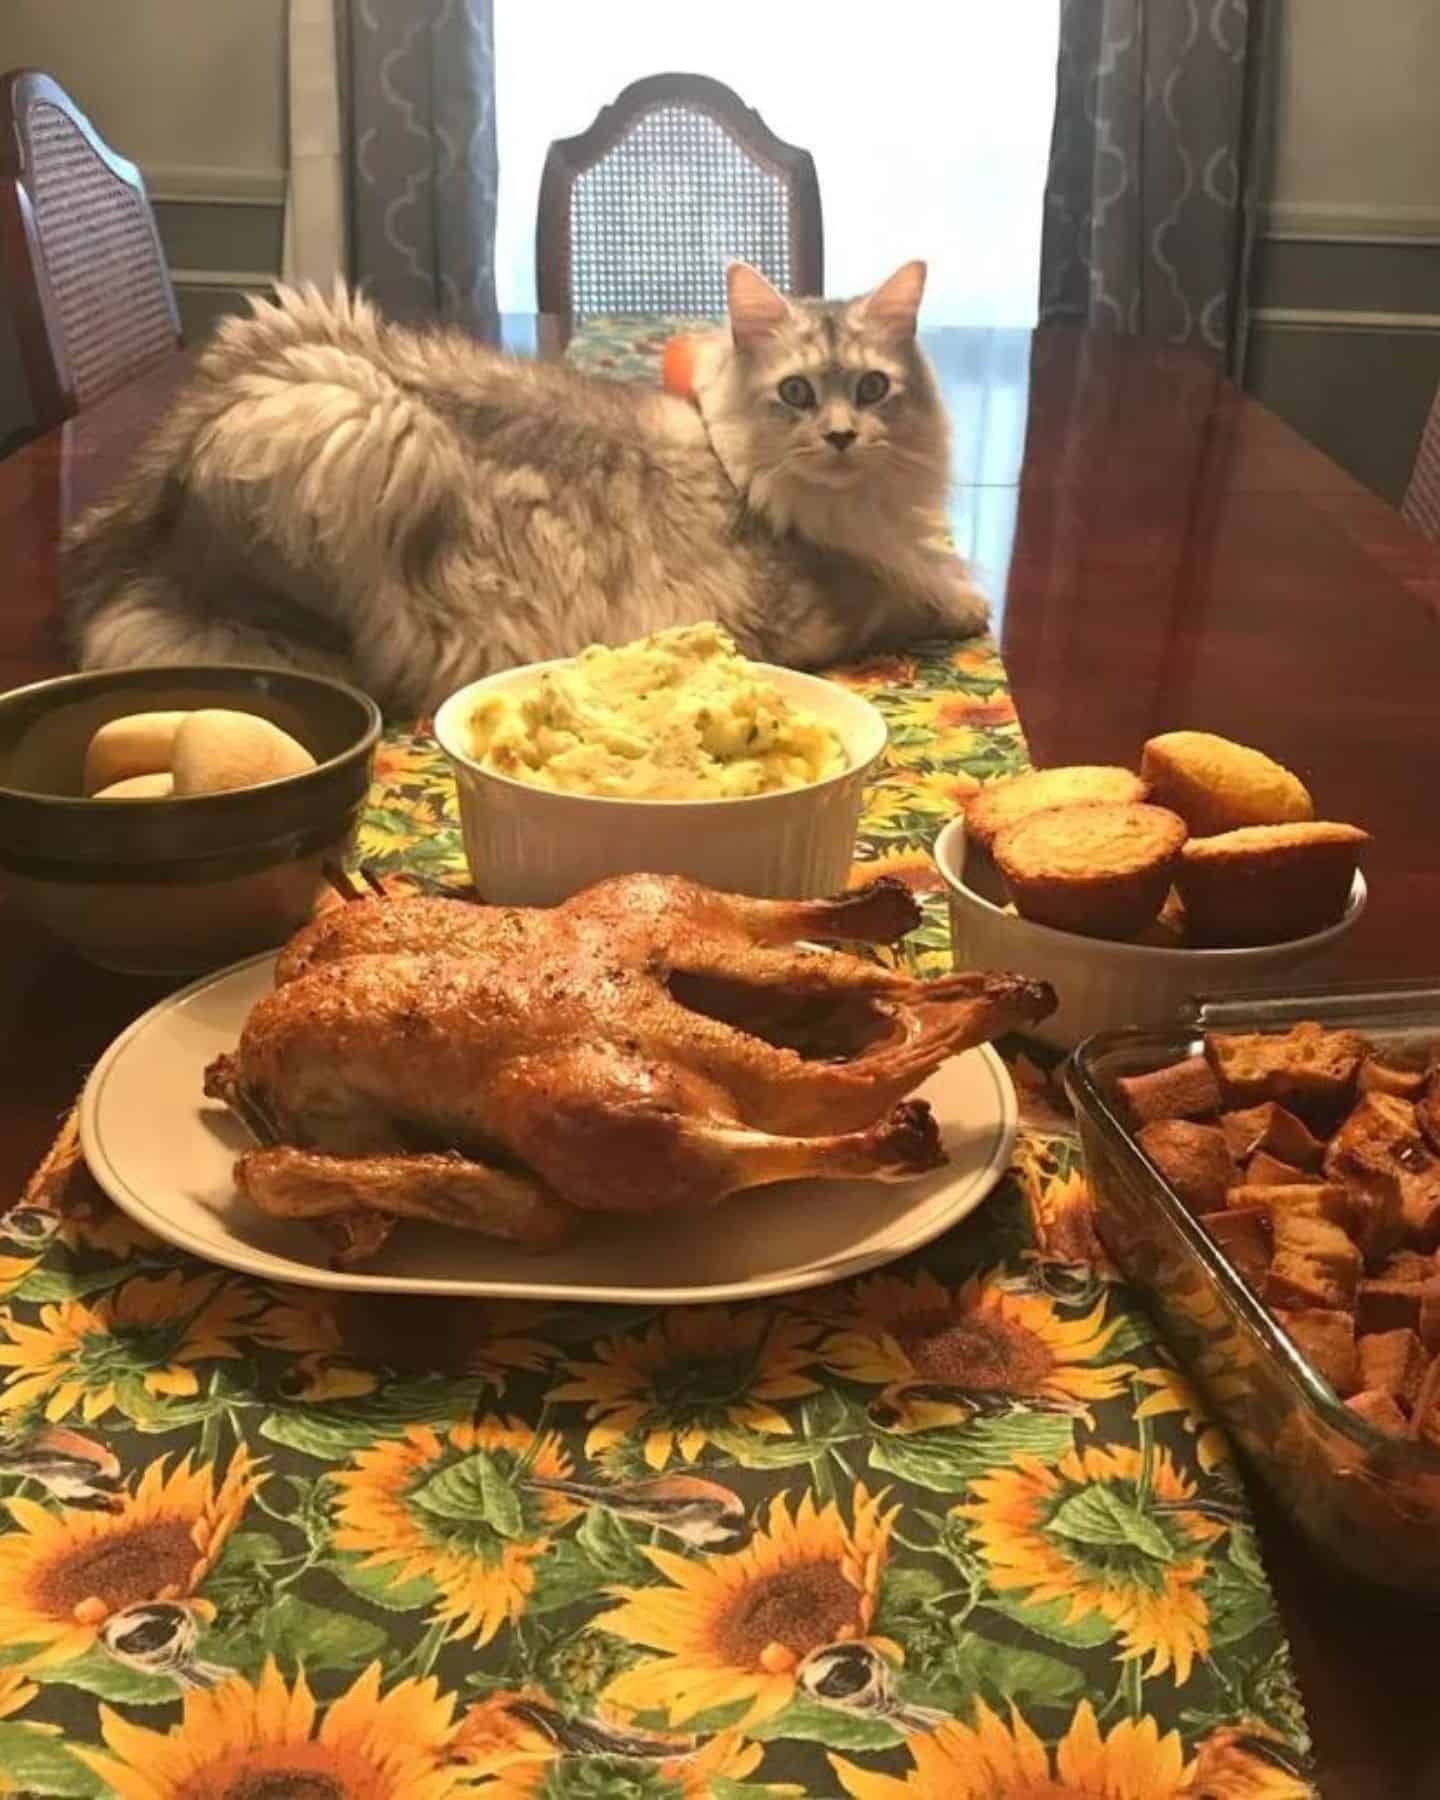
<point>297,456</point>
<point>128,603</point>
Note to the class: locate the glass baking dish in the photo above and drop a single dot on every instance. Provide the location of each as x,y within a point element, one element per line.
<point>1368,1500</point>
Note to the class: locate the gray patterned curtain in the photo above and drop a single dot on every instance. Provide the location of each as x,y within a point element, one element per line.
<point>419,103</point>
<point>1147,199</point>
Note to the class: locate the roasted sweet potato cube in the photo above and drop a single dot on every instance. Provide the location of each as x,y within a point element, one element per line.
<point>1194,1159</point>
<point>1380,1410</point>
<point>1244,1236</point>
<point>1427,1108</point>
<point>1425,1419</point>
<point>1314,1264</point>
<point>1375,1219</point>
<point>1265,1170</point>
<point>1388,1306</point>
<point>1318,1199</point>
<point>1270,1128</point>
<point>1393,1072</point>
<point>1408,1265</point>
<point>1327,1341</point>
<point>1393,1362</point>
<point>1381,1141</point>
<point>1430,1317</point>
<point>1309,1068</point>
<point>1183,1090</point>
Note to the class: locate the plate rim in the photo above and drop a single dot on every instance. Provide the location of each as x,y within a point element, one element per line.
<point>143,1212</point>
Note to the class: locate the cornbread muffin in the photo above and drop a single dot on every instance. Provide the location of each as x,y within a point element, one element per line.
<point>1194,1159</point>
<point>1216,785</point>
<point>1262,884</point>
<point>1100,870</point>
<point>1015,797</point>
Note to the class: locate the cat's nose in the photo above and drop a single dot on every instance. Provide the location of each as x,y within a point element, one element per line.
<point>842,440</point>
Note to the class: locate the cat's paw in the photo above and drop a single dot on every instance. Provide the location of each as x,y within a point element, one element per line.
<point>964,611</point>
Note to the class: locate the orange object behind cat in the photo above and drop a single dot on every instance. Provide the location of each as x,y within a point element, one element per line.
<point>677,367</point>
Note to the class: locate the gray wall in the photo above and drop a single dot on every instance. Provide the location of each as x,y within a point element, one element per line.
<point>1345,338</point>
<point>193,91</point>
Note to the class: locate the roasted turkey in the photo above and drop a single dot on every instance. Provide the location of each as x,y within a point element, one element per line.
<point>648,1044</point>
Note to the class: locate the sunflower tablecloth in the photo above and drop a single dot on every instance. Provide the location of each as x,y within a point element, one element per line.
<point>954,1531</point>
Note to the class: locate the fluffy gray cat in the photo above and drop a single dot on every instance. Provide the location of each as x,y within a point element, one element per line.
<point>411,510</point>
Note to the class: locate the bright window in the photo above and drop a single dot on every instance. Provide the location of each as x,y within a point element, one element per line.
<point>929,122</point>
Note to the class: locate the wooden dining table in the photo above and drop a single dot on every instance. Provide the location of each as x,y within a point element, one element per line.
<point>1163,552</point>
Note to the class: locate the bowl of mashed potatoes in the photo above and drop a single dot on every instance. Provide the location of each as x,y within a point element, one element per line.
<point>673,754</point>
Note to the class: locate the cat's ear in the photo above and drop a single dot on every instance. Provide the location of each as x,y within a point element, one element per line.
<point>757,310</point>
<point>893,306</point>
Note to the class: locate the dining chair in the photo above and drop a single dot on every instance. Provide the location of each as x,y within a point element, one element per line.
<point>675,178</point>
<point>1421,505</point>
<point>88,283</point>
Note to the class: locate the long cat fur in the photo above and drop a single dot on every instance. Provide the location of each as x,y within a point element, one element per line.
<point>411,510</point>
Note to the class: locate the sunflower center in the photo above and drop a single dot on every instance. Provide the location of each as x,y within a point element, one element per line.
<point>284,1784</point>
<point>976,1350</point>
<point>138,1563</point>
<point>305,1771</point>
<point>1052,1790</point>
<point>799,1607</point>
<point>701,1384</point>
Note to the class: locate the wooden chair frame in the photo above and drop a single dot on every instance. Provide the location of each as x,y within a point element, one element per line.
<point>38,327</point>
<point>572,156</point>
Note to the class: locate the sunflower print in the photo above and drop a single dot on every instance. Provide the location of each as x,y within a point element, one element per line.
<point>697,1372</point>
<point>456,1511</point>
<point>1084,1535</point>
<point>916,868</point>
<point>998,1760</point>
<point>477,1632</point>
<point>139,1341</point>
<point>736,1628</point>
<point>940,1354</point>
<point>63,1574</point>
<point>522,1762</point>
<point>269,1738</point>
<point>304,1321</point>
<point>1171,1392</point>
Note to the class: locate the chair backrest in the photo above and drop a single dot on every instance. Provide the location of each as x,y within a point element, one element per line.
<point>84,266</point>
<point>675,178</point>
<point>1421,505</point>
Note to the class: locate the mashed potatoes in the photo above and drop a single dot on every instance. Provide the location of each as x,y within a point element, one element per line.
<point>677,716</point>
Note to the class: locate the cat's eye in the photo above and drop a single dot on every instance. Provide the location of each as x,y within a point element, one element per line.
<point>872,386</point>
<point>795,390</point>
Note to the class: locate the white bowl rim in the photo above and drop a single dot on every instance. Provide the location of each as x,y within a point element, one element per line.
<point>943,852</point>
<point>861,766</point>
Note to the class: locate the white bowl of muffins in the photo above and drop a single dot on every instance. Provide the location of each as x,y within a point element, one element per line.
<point>1204,872</point>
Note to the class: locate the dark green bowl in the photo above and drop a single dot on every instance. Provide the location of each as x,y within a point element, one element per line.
<point>176,886</point>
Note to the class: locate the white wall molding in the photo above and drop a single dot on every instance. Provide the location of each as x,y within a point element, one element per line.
<point>200,184</point>
<point>1307,318</point>
<point>244,281</point>
<point>1320,222</point>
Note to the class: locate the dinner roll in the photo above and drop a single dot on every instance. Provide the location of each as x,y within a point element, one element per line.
<point>215,749</point>
<point>139,787</point>
<point>139,744</point>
